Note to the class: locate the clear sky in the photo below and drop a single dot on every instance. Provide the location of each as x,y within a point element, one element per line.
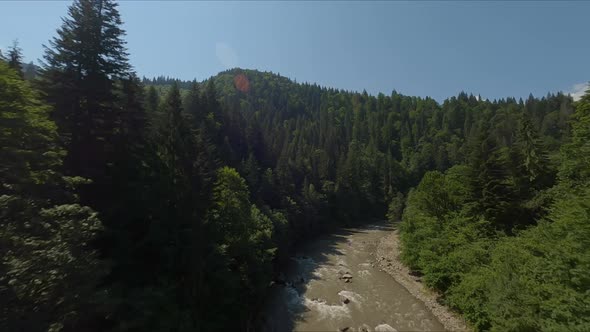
<point>437,49</point>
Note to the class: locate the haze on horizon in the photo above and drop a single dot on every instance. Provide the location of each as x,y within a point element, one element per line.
<point>437,49</point>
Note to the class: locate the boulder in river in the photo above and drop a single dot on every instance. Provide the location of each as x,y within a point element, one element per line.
<point>345,329</point>
<point>346,300</point>
<point>384,328</point>
<point>347,277</point>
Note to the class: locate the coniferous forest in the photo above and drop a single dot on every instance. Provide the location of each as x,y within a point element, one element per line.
<point>137,204</point>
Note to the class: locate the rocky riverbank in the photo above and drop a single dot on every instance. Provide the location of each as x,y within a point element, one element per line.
<point>388,260</point>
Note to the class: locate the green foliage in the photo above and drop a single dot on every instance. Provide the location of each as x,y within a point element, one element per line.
<point>396,207</point>
<point>48,264</point>
<point>537,281</point>
<point>203,188</point>
<point>27,137</point>
<point>79,80</point>
<point>438,237</point>
<point>231,209</point>
<point>575,168</point>
<point>534,159</point>
<point>48,267</point>
<point>533,280</point>
<point>244,236</point>
<point>15,58</point>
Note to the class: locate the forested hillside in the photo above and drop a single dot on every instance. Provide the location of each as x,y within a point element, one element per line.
<point>504,236</point>
<point>162,205</point>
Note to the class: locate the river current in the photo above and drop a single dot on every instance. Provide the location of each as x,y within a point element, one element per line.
<point>334,284</point>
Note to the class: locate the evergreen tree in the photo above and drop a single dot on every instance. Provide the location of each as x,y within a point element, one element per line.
<point>82,65</point>
<point>28,138</point>
<point>244,238</point>
<point>575,168</point>
<point>30,71</point>
<point>492,191</point>
<point>534,157</point>
<point>49,271</point>
<point>193,104</point>
<point>15,58</point>
<point>152,100</point>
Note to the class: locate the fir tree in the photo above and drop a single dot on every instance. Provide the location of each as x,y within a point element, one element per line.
<point>15,58</point>
<point>82,65</point>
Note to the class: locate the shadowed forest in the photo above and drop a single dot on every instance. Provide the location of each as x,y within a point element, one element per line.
<point>137,204</point>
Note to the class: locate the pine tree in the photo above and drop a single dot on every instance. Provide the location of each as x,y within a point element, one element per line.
<point>15,58</point>
<point>29,71</point>
<point>210,98</point>
<point>152,100</point>
<point>575,168</point>
<point>175,239</point>
<point>82,65</point>
<point>492,192</point>
<point>534,157</point>
<point>193,103</point>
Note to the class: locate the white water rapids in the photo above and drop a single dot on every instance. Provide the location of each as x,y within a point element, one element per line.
<point>317,297</point>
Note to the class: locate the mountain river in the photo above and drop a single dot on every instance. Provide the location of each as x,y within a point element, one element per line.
<point>333,284</point>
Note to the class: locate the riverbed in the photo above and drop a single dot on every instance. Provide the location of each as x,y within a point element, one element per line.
<point>334,284</point>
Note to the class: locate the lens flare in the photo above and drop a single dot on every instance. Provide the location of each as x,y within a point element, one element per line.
<point>241,83</point>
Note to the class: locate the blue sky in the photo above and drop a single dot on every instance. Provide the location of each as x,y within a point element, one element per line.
<point>436,49</point>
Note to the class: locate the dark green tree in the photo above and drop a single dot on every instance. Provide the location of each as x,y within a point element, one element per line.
<point>49,270</point>
<point>152,100</point>
<point>15,58</point>
<point>82,65</point>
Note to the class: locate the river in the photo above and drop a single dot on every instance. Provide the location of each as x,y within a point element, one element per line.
<point>333,284</point>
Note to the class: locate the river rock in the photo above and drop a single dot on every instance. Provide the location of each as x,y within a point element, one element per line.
<point>384,328</point>
<point>364,328</point>
<point>346,301</point>
<point>346,276</point>
<point>345,329</point>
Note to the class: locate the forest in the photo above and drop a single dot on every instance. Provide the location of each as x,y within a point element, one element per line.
<point>138,204</point>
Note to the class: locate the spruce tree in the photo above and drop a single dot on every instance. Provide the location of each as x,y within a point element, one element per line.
<point>492,192</point>
<point>575,168</point>
<point>15,58</point>
<point>534,160</point>
<point>82,64</point>
<point>193,103</point>
<point>152,100</point>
